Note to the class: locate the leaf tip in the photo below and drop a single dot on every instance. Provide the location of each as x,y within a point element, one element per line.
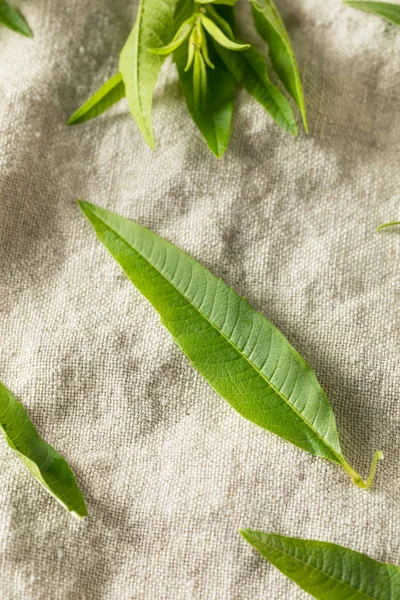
<point>86,207</point>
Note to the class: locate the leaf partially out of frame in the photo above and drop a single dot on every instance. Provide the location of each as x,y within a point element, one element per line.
<point>214,118</point>
<point>386,10</point>
<point>155,26</point>
<point>327,571</point>
<point>13,19</point>
<point>391,224</point>
<point>238,351</point>
<point>273,31</point>
<point>109,94</point>
<point>49,467</point>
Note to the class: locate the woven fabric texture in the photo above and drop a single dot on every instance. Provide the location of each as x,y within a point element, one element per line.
<point>170,472</point>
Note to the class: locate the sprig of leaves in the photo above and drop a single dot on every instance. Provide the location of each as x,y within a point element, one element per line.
<point>45,463</point>
<point>327,571</point>
<point>200,36</point>
<point>13,19</point>
<point>238,351</point>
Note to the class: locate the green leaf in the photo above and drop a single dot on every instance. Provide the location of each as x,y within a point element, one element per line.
<point>155,24</point>
<point>215,117</point>
<point>238,351</point>
<point>181,35</point>
<point>250,70</point>
<point>49,468</point>
<point>327,571</point>
<point>110,93</point>
<point>386,10</point>
<point>199,81</point>
<point>226,2</point>
<point>220,37</point>
<point>391,224</point>
<point>13,19</point>
<point>272,29</point>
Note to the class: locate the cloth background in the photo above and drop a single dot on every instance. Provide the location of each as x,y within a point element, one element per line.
<point>169,470</point>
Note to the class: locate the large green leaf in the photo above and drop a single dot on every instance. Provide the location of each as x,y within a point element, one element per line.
<point>328,571</point>
<point>214,119</point>
<point>273,31</point>
<point>41,459</point>
<point>238,351</point>
<point>386,10</point>
<point>13,19</point>
<point>155,25</point>
<point>110,93</point>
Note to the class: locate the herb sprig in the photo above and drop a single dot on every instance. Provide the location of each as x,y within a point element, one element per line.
<point>201,37</point>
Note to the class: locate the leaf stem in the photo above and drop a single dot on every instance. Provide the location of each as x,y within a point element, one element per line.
<point>391,224</point>
<point>357,479</point>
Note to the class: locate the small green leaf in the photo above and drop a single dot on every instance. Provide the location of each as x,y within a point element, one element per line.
<point>155,23</point>
<point>199,81</point>
<point>13,19</point>
<point>250,70</point>
<point>391,224</point>
<point>49,467</point>
<point>386,10</point>
<point>226,2</point>
<point>214,119</point>
<point>110,93</point>
<point>272,29</point>
<point>181,35</point>
<point>220,37</point>
<point>327,571</point>
<point>238,351</point>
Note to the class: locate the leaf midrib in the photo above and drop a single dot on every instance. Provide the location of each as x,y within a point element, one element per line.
<point>316,569</point>
<point>261,374</point>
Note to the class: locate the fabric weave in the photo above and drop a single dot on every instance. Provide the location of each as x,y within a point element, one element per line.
<point>169,471</point>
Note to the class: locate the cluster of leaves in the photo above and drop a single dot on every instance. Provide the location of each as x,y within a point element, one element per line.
<point>13,19</point>
<point>211,62</point>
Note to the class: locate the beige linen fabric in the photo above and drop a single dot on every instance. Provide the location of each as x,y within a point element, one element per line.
<point>169,470</point>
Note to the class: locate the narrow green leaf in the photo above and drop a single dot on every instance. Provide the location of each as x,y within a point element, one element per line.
<point>49,467</point>
<point>199,81</point>
<point>155,24</point>
<point>273,31</point>
<point>220,37</point>
<point>391,224</point>
<point>214,119</point>
<point>110,93</point>
<point>226,2</point>
<point>238,351</point>
<point>181,35</point>
<point>250,70</point>
<point>327,571</point>
<point>386,10</point>
<point>13,19</point>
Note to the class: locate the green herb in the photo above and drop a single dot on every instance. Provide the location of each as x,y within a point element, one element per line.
<point>272,29</point>
<point>391,224</point>
<point>200,35</point>
<point>110,93</point>
<point>238,351</point>
<point>386,10</point>
<point>13,19</point>
<point>49,468</point>
<point>327,571</point>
